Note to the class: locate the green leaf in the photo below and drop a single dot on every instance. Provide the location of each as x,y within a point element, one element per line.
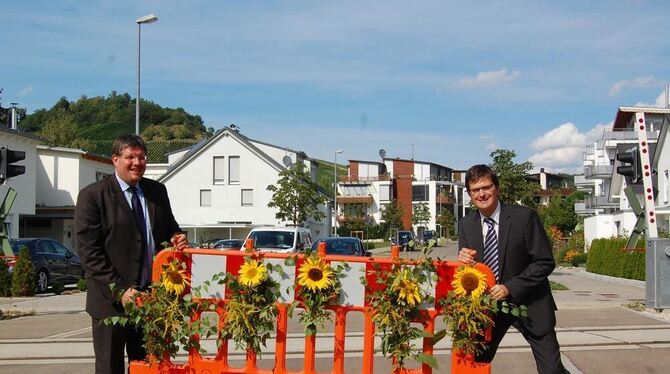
<point>438,336</point>
<point>426,359</point>
<point>290,261</point>
<point>515,311</point>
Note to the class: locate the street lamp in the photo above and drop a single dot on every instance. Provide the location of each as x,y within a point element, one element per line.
<point>335,194</point>
<point>146,19</point>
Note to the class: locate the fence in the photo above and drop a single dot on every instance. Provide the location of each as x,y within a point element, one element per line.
<point>203,263</point>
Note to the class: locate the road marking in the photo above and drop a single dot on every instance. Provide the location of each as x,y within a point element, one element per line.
<point>68,334</point>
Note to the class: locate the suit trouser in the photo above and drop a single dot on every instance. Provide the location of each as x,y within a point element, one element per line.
<point>546,349</point>
<point>109,343</point>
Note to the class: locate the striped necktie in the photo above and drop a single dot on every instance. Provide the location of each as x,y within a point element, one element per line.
<point>491,248</point>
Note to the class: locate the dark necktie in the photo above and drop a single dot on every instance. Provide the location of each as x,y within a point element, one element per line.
<point>138,212</point>
<point>491,248</point>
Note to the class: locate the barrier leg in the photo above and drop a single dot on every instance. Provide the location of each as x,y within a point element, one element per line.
<point>280,342</point>
<point>340,330</point>
<point>368,344</point>
<point>465,364</point>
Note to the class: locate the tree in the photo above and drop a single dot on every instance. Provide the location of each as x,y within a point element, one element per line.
<point>446,220</point>
<point>392,215</point>
<point>295,196</point>
<point>60,130</point>
<point>514,188</point>
<point>560,212</point>
<point>23,277</point>
<point>420,213</point>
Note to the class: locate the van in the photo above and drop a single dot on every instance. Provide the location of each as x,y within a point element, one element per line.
<point>280,239</point>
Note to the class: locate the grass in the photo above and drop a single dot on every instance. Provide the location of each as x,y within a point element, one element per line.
<point>555,286</point>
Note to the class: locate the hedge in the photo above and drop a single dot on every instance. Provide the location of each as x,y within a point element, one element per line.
<point>608,257</point>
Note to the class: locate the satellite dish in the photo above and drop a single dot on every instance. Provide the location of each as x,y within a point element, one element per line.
<point>287,160</point>
<point>382,153</point>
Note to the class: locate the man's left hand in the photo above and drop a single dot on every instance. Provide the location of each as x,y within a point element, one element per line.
<point>499,292</point>
<point>179,241</point>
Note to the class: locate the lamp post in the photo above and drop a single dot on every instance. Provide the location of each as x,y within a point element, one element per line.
<point>146,19</point>
<point>335,194</point>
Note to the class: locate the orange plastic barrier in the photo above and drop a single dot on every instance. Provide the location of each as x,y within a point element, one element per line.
<point>196,364</point>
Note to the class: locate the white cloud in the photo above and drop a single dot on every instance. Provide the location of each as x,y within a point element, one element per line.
<point>561,148</point>
<point>660,101</point>
<point>488,78</point>
<point>491,146</point>
<point>25,91</point>
<point>639,82</point>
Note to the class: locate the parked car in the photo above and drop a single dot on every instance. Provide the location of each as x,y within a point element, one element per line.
<point>229,243</point>
<point>54,264</point>
<point>342,246</point>
<point>403,239</point>
<point>427,235</point>
<point>280,239</point>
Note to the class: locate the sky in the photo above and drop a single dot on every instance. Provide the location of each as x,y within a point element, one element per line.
<point>439,81</point>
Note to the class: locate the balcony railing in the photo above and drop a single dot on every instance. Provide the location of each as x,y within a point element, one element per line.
<point>597,171</point>
<point>359,179</point>
<point>627,135</point>
<point>598,202</point>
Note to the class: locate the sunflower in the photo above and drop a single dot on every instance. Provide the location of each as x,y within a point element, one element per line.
<point>469,281</point>
<point>315,274</point>
<point>174,279</point>
<point>252,273</point>
<point>407,288</point>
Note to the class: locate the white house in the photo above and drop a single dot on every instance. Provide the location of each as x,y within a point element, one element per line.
<point>409,182</point>
<point>609,213</point>
<point>218,188</point>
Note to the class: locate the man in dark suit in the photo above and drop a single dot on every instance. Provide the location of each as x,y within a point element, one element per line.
<point>120,223</point>
<point>512,242</point>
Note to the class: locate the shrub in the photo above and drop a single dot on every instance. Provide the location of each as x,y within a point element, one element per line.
<point>608,257</point>
<point>23,278</point>
<point>81,284</point>
<point>5,279</point>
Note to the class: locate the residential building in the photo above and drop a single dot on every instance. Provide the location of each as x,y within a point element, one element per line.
<point>218,188</point>
<point>408,182</point>
<point>607,210</point>
<point>550,185</point>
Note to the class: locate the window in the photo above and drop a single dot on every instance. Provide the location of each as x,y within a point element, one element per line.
<point>219,163</point>
<point>384,192</point>
<point>420,193</point>
<point>247,197</point>
<point>234,169</point>
<point>205,197</point>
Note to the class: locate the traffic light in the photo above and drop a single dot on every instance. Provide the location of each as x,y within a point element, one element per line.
<point>631,164</point>
<point>7,167</point>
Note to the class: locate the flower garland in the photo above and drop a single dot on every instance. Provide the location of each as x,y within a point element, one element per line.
<point>251,312</point>
<point>164,314</point>
<point>395,305</point>
<point>318,286</point>
<point>469,310</point>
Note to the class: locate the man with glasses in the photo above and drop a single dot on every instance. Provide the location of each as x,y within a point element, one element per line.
<point>512,242</point>
<point>120,223</point>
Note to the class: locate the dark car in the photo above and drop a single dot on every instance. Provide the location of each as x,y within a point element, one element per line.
<point>229,243</point>
<point>403,239</point>
<point>427,235</point>
<point>349,246</point>
<point>54,264</point>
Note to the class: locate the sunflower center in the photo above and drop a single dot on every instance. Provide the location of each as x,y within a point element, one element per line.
<point>470,282</point>
<point>174,277</point>
<point>252,272</point>
<point>315,275</point>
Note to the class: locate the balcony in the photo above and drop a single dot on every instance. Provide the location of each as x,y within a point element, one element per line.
<point>628,135</point>
<point>598,202</point>
<point>597,171</point>
<point>580,209</point>
<point>359,179</point>
<point>444,199</point>
<point>354,200</point>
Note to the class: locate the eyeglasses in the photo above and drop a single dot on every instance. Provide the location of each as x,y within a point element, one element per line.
<point>486,189</point>
<point>134,158</point>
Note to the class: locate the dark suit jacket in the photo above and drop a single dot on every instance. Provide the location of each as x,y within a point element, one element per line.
<point>526,260</point>
<point>109,242</point>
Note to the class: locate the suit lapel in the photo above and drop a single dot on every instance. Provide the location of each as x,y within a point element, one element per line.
<point>503,233</point>
<point>476,235</point>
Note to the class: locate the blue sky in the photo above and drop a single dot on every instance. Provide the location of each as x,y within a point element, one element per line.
<point>442,81</point>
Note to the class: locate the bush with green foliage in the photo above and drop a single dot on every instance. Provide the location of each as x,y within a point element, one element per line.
<point>81,284</point>
<point>609,257</point>
<point>5,279</point>
<point>23,278</point>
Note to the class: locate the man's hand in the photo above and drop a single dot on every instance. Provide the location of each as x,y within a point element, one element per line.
<point>499,292</point>
<point>179,241</point>
<point>129,296</point>
<point>467,256</point>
